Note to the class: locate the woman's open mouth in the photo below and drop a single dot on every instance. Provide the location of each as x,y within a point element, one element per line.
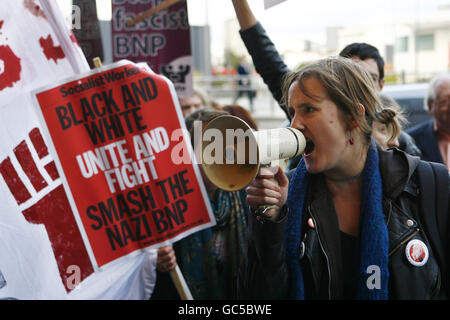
<point>309,148</point>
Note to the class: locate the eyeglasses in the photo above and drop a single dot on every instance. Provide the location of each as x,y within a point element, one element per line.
<point>441,102</point>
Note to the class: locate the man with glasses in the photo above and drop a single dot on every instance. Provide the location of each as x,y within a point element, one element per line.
<point>433,137</point>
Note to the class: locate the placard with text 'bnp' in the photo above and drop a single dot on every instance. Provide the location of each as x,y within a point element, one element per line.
<point>114,133</point>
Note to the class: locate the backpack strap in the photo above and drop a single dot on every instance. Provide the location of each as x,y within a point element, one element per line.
<point>442,212</point>
<point>434,190</point>
<point>442,199</point>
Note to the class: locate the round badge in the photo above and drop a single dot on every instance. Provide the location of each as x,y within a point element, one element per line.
<point>416,253</point>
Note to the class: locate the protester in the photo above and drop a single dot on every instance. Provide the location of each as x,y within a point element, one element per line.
<point>190,104</point>
<point>166,259</point>
<point>210,259</point>
<point>269,64</point>
<point>244,83</point>
<point>369,58</point>
<point>433,136</point>
<point>342,224</point>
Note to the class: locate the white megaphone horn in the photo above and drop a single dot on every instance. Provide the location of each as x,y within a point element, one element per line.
<point>234,164</point>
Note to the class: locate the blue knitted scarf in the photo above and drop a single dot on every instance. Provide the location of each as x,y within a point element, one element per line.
<point>373,240</point>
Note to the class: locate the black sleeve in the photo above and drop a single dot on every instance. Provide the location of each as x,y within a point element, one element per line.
<point>263,274</point>
<point>164,288</point>
<point>267,61</point>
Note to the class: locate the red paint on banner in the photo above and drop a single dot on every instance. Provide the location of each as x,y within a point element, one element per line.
<point>52,171</point>
<point>38,143</point>
<point>12,179</point>
<point>25,159</point>
<point>11,67</point>
<point>50,50</point>
<point>42,151</point>
<point>73,38</point>
<point>34,8</point>
<point>54,212</point>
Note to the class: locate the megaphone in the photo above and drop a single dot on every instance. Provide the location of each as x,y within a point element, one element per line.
<point>232,163</point>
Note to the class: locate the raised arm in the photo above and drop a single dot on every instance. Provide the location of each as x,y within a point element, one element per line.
<point>244,14</point>
<point>266,59</point>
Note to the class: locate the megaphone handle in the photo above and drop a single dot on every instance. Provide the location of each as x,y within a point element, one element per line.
<point>263,208</point>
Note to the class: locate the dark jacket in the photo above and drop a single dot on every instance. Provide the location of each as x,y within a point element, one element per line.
<point>265,274</point>
<point>425,138</point>
<point>407,144</point>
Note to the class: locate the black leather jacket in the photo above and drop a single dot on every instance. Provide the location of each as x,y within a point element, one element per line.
<point>265,274</point>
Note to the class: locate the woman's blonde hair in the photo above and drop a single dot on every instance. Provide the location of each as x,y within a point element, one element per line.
<point>347,84</point>
<point>391,116</point>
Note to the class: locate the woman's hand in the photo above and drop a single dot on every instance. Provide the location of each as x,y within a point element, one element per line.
<point>244,14</point>
<point>166,260</point>
<point>269,188</point>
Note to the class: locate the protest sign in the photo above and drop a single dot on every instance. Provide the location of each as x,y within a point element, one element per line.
<point>162,40</point>
<point>113,132</point>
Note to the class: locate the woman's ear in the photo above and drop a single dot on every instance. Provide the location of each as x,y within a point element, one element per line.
<point>361,109</point>
<point>352,125</point>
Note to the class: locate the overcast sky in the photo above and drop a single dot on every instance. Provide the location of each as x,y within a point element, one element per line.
<point>316,13</point>
<point>301,15</point>
<point>302,18</point>
<point>308,19</point>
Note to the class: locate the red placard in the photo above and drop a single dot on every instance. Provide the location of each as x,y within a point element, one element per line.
<point>115,136</point>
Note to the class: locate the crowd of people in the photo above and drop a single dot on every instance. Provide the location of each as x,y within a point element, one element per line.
<point>347,219</point>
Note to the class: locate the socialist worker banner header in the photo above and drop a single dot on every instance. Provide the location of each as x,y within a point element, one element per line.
<point>114,133</point>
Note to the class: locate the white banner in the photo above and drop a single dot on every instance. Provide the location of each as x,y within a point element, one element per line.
<point>42,252</point>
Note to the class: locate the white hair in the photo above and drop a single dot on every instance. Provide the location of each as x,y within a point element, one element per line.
<point>433,86</point>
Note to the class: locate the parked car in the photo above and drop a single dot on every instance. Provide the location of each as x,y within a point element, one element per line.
<point>411,97</point>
